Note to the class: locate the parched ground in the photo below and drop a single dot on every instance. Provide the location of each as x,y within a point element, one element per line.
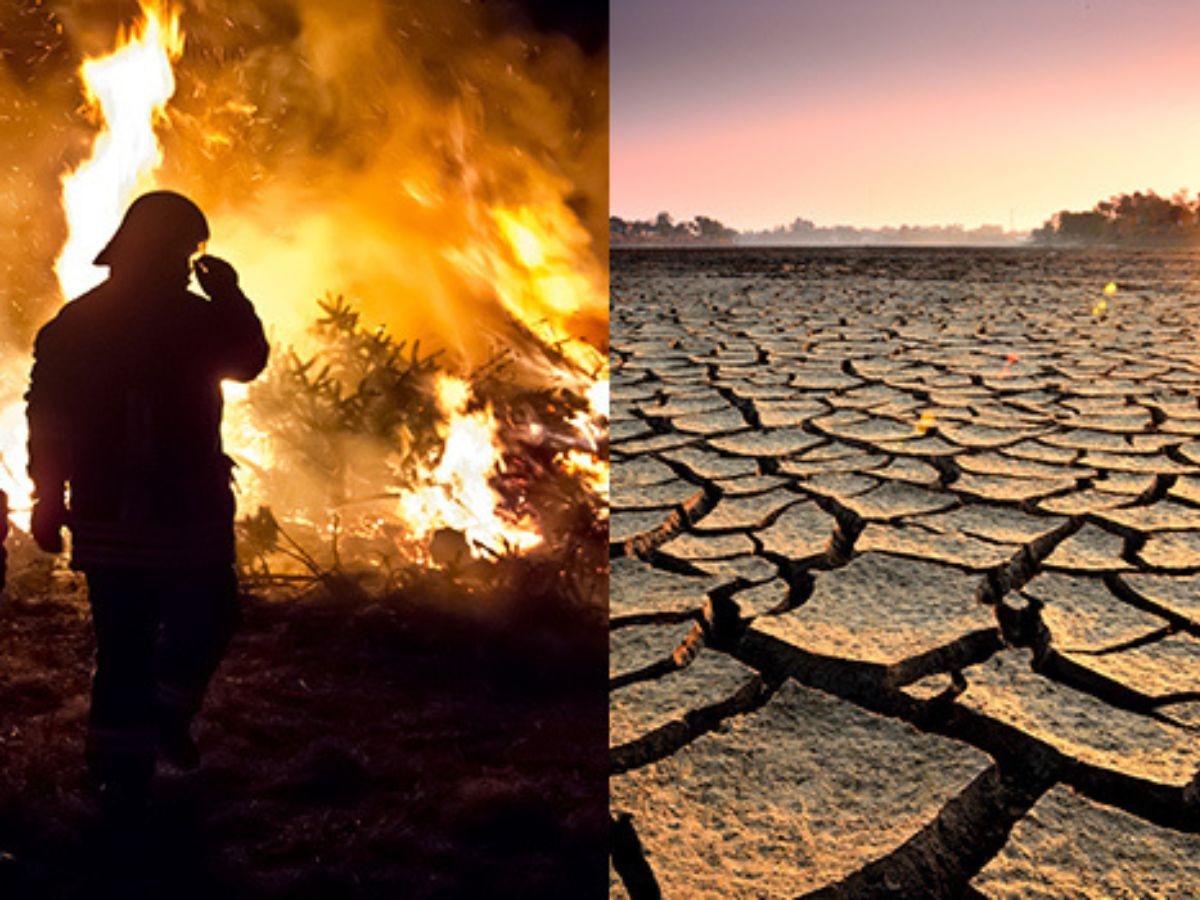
<point>417,745</point>
<point>905,590</point>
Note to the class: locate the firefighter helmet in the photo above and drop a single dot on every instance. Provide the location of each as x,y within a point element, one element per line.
<point>158,223</point>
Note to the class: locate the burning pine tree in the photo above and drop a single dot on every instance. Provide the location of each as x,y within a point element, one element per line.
<point>383,459</point>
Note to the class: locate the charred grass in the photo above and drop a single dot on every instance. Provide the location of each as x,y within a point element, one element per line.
<point>440,740</point>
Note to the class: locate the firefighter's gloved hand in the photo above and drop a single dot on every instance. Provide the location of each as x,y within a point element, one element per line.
<point>49,517</point>
<point>218,278</point>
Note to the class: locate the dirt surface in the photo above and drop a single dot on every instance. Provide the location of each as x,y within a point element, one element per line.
<point>418,745</point>
<point>906,548</point>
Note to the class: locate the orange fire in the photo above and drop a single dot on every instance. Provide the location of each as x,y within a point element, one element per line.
<point>530,256</point>
<point>127,91</point>
<point>13,478</point>
<point>458,493</point>
<point>539,280</point>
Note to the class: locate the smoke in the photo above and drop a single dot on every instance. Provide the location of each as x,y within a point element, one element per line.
<point>38,97</point>
<point>442,165</point>
<point>367,148</point>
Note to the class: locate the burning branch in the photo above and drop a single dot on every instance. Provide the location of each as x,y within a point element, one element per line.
<point>357,416</point>
<point>417,464</point>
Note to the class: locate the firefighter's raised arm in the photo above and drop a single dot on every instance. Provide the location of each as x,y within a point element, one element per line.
<point>242,346</point>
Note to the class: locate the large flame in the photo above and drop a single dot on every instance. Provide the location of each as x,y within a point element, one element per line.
<point>538,279</point>
<point>127,91</point>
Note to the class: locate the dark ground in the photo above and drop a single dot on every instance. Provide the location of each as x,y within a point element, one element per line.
<point>427,744</point>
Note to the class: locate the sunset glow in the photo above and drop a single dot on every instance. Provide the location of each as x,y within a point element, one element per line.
<point>908,113</point>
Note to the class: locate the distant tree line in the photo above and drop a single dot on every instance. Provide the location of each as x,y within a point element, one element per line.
<point>1137,219</point>
<point>1141,219</point>
<point>804,232</point>
<point>665,230</point>
<point>707,231</point>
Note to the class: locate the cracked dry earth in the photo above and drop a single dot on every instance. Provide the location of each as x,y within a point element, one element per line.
<point>905,593</point>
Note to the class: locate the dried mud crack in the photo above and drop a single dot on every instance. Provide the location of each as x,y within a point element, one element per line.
<point>905,601</point>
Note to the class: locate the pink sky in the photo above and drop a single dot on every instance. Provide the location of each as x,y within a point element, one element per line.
<point>970,120</point>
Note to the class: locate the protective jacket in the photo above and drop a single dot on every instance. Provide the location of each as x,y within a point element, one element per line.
<point>124,409</point>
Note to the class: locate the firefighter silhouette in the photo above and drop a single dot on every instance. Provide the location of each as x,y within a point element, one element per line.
<point>124,410</point>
